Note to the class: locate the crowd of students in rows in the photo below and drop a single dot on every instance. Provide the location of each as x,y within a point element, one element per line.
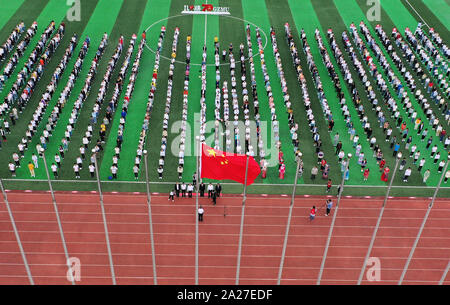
<point>88,136</point>
<point>235,103</point>
<point>436,38</point>
<point>217,129</point>
<point>151,98</point>
<point>356,98</point>
<point>426,82</point>
<point>394,80</point>
<point>411,111</point>
<point>391,104</point>
<point>50,89</point>
<point>184,113</point>
<point>46,98</point>
<point>431,89</point>
<point>440,77</point>
<point>166,116</point>
<point>37,58</point>
<point>9,45</point>
<point>273,116</point>
<point>113,103</point>
<point>293,127</point>
<point>440,60</point>
<point>259,138</point>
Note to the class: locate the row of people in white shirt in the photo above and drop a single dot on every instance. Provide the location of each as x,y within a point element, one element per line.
<point>235,102</point>
<point>356,100</point>
<point>407,105</point>
<point>259,138</point>
<point>8,46</point>
<point>203,97</point>
<point>151,98</point>
<point>246,104</point>
<point>11,41</point>
<point>184,114</point>
<point>402,92</point>
<point>426,81</point>
<point>48,94</point>
<point>440,61</point>
<point>217,97</point>
<point>14,59</point>
<point>28,69</point>
<point>293,126</point>
<point>64,96</point>
<point>436,38</point>
<point>126,101</point>
<point>78,104</point>
<point>166,116</point>
<point>102,94</point>
<point>439,75</point>
<point>271,103</point>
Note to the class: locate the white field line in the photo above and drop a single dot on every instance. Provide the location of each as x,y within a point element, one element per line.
<point>225,183</point>
<point>417,13</point>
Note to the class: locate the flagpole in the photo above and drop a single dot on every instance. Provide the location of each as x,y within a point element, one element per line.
<point>288,224</point>
<point>330,233</point>
<point>16,232</point>
<point>238,266</point>
<point>424,221</point>
<point>105,225</point>
<point>245,184</point>
<point>196,211</point>
<point>380,217</point>
<point>149,206</point>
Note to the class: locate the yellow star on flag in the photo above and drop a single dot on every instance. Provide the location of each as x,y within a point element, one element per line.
<point>211,152</point>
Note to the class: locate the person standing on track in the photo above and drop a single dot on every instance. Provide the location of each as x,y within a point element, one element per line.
<point>329,205</point>
<point>183,189</point>
<point>218,189</point>
<point>214,197</point>
<point>312,214</point>
<point>171,194</point>
<point>202,189</point>
<point>190,189</point>
<point>200,213</point>
<point>177,189</point>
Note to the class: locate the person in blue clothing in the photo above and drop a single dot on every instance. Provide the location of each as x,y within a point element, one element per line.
<point>396,148</point>
<point>329,205</point>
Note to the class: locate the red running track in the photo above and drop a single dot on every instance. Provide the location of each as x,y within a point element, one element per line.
<point>263,235</point>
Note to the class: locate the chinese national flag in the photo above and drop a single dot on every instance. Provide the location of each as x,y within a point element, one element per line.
<point>219,165</point>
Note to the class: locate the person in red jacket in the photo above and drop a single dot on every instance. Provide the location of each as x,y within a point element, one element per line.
<point>382,164</point>
<point>312,214</point>
<point>329,185</point>
<point>385,175</point>
<point>366,174</point>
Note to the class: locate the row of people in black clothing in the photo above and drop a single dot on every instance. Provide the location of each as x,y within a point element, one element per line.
<point>182,188</point>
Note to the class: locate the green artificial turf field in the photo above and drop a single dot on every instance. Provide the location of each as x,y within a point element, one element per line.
<point>125,17</point>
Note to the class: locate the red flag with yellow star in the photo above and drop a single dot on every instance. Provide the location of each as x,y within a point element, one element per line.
<point>216,164</point>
